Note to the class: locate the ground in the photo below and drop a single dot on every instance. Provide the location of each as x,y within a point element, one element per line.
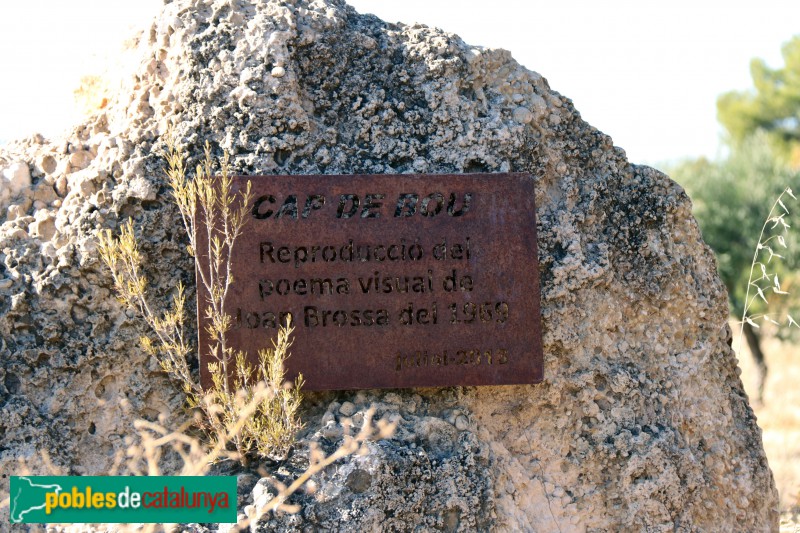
<point>779,418</point>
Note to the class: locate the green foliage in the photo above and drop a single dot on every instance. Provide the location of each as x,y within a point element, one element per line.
<point>251,407</point>
<point>732,200</point>
<point>773,106</point>
<point>272,426</point>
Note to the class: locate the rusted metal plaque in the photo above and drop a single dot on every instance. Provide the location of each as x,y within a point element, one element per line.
<point>390,280</point>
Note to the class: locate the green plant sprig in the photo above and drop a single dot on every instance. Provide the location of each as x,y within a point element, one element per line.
<point>775,220</point>
<point>269,430</point>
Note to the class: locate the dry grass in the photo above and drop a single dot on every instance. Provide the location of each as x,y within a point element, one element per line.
<point>779,418</point>
<point>207,202</point>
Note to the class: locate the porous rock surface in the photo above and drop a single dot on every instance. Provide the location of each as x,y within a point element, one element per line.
<point>641,423</point>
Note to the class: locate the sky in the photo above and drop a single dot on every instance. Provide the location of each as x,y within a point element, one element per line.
<point>647,73</point>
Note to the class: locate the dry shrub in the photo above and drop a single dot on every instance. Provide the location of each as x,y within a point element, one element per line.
<point>207,201</point>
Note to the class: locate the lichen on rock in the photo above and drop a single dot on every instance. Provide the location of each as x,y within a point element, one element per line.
<point>641,423</point>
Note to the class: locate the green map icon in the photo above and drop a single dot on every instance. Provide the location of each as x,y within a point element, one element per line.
<point>28,496</point>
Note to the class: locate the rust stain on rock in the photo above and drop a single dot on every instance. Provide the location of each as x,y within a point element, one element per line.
<point>390,280</point>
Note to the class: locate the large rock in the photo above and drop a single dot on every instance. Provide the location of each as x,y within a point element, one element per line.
<point>641,422</point>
